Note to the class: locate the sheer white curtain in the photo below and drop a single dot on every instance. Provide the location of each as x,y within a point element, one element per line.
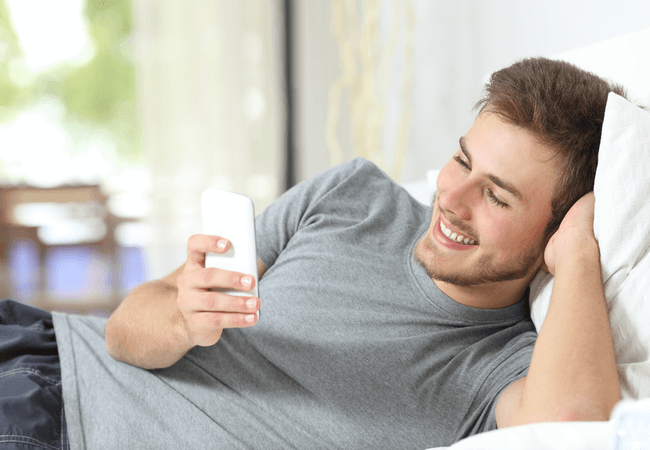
<point>384,79</point>
<point>209,79</point>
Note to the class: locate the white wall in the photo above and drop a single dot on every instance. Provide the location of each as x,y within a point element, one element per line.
<point>457,44</point>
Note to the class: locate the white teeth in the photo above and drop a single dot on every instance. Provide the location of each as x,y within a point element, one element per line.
<point>455,236</point>
<point>446,231</point>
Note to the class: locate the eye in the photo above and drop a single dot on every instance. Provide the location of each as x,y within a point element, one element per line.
<point>461,162</point>
<point>494,199</point>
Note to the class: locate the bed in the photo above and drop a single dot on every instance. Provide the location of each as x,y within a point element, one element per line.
<point>622,227</point>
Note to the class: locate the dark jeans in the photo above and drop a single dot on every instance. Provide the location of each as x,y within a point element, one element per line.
<point>31,400</point>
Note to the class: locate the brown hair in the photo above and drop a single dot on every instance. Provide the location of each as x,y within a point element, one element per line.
<point>563,107</point>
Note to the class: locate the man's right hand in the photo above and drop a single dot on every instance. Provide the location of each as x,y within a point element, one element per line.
<point>160,321</point>
<point>206,312</point>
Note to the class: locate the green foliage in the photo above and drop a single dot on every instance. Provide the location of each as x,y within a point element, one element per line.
<point>11,95</point>
<point>99,94</point>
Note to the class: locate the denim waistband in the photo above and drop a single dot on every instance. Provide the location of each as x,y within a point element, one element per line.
<point>31,398</point>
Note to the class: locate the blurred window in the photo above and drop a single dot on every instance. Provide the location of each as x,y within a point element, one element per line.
<point>68,122</point>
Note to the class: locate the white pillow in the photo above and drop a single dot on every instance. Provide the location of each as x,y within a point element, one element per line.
<point>622,228</point>
<point>423,190</point>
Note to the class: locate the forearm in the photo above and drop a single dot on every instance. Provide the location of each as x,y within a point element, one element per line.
<point>573,372</point>
<point>147,329</point>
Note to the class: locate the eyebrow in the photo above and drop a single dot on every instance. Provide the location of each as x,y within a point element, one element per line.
<point>493,178</point>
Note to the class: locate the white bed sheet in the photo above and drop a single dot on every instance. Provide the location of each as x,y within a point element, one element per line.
<point>542,436</point>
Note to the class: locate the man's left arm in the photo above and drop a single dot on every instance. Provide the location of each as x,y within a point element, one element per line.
<point>572,375</point>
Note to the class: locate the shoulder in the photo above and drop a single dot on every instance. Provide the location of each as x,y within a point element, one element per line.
<point>355,168</point>
<point>356,179</point>
<point>365,176</point>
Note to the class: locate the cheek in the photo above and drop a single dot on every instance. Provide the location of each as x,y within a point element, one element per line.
<point>514,233</point>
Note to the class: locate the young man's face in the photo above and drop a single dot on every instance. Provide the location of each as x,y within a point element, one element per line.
<point>496,193</point>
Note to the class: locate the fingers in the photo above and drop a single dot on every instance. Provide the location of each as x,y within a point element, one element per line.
<point>216,311</point>
<point>215,278</point>
<point>587,207</point>
<point>575,235</point>
<point>205,328</point>
<point>581,214</point>
<point>206,312</point>
<point>200,244</point>
<point>205,323</point>
<point>208,301</point>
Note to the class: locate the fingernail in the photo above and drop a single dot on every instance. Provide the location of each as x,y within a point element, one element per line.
<point>246,281</point>
<point>250,303</point>
<point>221,244</point>
<point>249,317</point>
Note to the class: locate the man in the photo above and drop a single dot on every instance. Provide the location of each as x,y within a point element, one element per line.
<point>383,323</point>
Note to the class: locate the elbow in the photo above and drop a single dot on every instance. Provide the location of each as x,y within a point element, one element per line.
<point>589,412</point>
<point>569,410</point>
<point>580,415</point>
<point>113,340</point>
<point>117,348</point>
<point>110,339</point>
<point>583,412</point>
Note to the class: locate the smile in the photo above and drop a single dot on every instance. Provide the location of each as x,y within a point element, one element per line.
<point>456,237</point>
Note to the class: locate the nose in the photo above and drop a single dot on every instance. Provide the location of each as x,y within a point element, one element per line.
<point>458,199</point>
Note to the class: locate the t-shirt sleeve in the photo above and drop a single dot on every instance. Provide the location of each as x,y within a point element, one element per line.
<point>512,366</point>
<point>522,361</point>
<point>281,220</point>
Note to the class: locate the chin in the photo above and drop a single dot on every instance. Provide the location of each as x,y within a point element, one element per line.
<point>484,270</point>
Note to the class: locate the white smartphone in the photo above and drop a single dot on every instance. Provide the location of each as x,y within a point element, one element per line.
<point>231,216</point>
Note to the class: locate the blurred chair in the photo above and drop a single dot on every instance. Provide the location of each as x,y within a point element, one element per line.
<point>60,228</point>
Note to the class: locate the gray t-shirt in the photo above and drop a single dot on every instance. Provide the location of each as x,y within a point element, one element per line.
<point>355,346</point>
